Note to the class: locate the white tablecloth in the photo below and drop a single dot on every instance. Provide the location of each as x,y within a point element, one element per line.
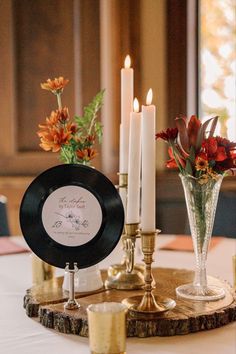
<point>20,334</point>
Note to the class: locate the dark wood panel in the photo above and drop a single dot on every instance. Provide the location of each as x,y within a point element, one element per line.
<point>44,47</point>
<point>87,56</point>
<point>7,88</point>
<point>88,28</point>
<point>176,58</point>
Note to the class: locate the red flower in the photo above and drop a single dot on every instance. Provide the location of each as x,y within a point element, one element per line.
<point>172,162</point>
<point>194,125</point>
<point>213,150</point>
<point>169,134</point>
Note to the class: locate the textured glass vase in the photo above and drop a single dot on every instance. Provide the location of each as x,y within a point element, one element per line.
<point>201,196</point>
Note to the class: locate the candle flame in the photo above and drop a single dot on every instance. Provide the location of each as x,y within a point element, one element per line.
<point>136,105</point>
<point>127,62</point>
<point>149,97</point>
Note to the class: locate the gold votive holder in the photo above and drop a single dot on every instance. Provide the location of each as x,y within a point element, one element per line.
<point>127,275</point>
<point>107,328</point>
<point>41,270</point>
<point>234,270</point>
<point>148,305</point>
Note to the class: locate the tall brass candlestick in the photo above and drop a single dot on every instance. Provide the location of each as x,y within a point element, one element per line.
<point>119,276</point>
<point>127,276</point>
<point>148,305</point>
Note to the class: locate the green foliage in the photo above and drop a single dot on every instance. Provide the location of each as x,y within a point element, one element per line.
<point>87,124</point>
<point>88,130</point>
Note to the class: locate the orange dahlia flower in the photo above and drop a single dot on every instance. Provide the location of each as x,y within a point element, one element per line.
<point>86,154</point>
<point>55,86</point>
<point>52,138</point>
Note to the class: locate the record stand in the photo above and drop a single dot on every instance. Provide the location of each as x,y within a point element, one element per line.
<point>71,303</point>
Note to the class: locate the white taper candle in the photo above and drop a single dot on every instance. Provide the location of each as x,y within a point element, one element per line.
<point>148,200</point>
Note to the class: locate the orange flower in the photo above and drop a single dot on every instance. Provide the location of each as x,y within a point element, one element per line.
<point>56,86</point>
<point>201,163</point>
<point>58,117</point>
<point>52,138</point>
<point>86,154</point>
<point>50,121</point>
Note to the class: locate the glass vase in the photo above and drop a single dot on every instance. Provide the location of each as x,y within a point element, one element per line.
<point>201,196</point>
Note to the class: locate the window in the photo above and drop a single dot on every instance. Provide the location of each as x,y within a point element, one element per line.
<point>217,63</point>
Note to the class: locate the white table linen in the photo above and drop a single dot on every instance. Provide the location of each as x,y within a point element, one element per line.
<point>20,334</point>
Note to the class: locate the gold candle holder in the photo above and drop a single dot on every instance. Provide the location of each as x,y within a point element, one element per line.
<point>123,181</point>
<point>127,276</point>
<point>234,271</point>
<point>117,273</point>
<point>41,270</point>
<point>148,305</point>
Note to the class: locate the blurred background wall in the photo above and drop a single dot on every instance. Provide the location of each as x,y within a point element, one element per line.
<point>86,41</point>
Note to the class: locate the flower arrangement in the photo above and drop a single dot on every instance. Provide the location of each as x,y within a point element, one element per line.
<point>73,138</point>
<point>196,152</point>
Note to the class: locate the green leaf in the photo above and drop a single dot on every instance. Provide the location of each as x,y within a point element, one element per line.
<point>192,155</point>
<point>188,167</point>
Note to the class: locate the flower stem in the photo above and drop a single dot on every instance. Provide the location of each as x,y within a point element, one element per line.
<point>66,157</point>
<point>91,125</point>
<point>59,101</point>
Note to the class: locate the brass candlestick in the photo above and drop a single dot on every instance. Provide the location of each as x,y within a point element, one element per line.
<point>148,305</point>
<point>127,276</point>
<point>117,273</point>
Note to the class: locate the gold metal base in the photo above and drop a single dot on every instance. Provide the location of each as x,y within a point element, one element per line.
<point>157,305</point>
<point>125,281</point>
<point>92,352</point>
<point>147,305</point>
<point>114,269</point>
<point>127,275</point>
<point>71,305</point>
<point>130,281</point>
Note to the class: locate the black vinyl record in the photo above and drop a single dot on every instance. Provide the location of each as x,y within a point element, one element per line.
<point>71,213</point>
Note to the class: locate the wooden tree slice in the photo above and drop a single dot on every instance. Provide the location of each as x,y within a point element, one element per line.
<point>186,317</point>
<point>49,292</point>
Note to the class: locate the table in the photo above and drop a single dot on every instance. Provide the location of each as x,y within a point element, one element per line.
<point>22,335</point>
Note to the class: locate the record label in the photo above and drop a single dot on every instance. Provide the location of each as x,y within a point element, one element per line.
<point>71,216</point>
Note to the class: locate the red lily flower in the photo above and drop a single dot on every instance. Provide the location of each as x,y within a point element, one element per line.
<point>193,129</point>
<point>172,162</point>
<point>213,150</point>
<point>169,134</point>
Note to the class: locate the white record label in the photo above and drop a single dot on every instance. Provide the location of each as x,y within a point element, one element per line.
<point>72,215</point>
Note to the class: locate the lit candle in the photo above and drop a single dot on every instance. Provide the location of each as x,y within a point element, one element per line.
<point>127,94</point>
<point>133,202</point>
<point>148,203</point>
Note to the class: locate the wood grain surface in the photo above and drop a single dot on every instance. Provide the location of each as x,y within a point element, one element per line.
<point>47,301</point>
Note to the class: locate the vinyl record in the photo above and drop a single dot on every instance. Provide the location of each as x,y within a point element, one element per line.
<point>71,213</point>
